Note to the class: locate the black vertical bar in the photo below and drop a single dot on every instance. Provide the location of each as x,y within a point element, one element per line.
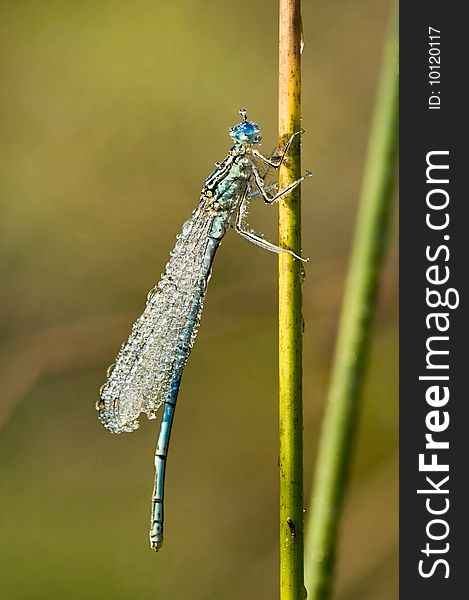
<point>433,249</point>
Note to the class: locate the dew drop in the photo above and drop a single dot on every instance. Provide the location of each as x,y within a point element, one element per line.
<point>187,227</point>
<point>302,38</point>
<point>151,293</point>
<point>302,273</point>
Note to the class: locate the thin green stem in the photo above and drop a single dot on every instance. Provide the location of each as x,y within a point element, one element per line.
<point>290,318</point>
<point>338,433</point>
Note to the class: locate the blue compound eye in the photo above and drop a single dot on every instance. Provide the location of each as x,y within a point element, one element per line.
<point>246,133</point>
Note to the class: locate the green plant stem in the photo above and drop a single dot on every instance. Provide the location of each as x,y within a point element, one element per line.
<point>290,318</point>
<point>338,433</point>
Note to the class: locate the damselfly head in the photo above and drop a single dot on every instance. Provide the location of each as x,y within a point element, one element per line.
<point>246,132</point>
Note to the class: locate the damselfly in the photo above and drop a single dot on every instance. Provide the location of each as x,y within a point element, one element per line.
<point>148,369</point>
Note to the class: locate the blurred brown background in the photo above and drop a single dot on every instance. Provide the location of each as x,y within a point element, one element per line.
<point>112,114</point>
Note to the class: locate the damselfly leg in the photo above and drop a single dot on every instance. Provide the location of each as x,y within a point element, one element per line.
<point>255,238</point>
<point>270,199</point>
<point>276,161</point>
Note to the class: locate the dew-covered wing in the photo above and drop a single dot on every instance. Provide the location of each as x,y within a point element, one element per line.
<point>162,338</point>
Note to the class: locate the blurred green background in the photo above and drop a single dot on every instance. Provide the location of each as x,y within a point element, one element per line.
<point>112,114</point>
